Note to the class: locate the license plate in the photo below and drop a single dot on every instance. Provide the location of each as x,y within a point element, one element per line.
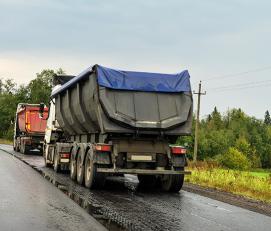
<point>141,158</point>
<point>65,160</point>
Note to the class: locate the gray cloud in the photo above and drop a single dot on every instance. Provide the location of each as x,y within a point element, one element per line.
<point>209,38</point>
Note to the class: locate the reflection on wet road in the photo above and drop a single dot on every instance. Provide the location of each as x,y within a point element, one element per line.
<point>124,206</point>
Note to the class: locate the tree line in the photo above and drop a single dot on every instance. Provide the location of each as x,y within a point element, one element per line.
<point>233,138</point>
<point>36,91</point>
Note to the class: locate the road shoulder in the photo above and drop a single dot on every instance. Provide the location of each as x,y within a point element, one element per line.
<point>230,198</point>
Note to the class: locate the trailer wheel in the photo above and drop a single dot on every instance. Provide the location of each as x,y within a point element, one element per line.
<point>56,163</point>
<point>80,168</point>
<point>73,168</point>
<point>172,183</point>
<point>47,164</point>
<point>22,148</point>
<point>147,181</point>
<point>16,146</point>
<point>93,179</point>
<point>27,149</point>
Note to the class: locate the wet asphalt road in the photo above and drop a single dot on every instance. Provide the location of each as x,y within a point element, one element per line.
<point>30,202</point>
<point>133,209</point>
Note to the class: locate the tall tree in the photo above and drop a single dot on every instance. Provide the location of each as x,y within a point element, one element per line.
<point>267,119</point>
<point>215,119</point>
<point>38,90</point>
<point>40,87</point>
<point>1,85</point>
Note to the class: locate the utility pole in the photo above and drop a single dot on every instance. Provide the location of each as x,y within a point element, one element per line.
<point>199,93</point>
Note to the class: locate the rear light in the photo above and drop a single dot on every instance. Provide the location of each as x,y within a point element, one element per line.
<point>27,115</point>
<point>178,150</point>
<point>103,148</point>
<point>27,120</point>
<point>65,155</point>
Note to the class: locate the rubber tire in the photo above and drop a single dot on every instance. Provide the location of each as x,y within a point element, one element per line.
<point>56,164</point>
<point>172,183</point>
<point>93,179</point>
<point>22,148</point>
<point>80,169</point>
<point>73,168</point>
<point>17,148</point>
<point>147,181</point>
<point>47,165</point>
<point>27,149</point>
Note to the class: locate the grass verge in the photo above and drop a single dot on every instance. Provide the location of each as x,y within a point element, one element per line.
<point>4,141</point>
<point>255,185</point>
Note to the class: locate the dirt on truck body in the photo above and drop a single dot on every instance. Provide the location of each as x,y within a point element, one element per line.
<point>109,122</point>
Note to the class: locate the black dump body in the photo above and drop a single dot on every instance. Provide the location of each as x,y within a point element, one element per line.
<point>84,106</point>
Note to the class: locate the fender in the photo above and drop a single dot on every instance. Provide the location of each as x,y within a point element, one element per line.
<point>99,158</point>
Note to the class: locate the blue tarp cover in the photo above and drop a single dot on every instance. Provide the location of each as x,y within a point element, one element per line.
<point>143,81</point>
<point>135,81</point>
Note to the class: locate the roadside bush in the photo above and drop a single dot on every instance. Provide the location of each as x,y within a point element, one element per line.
<point>242,145</point>
<point>219,158</point>
<point>9,134</point>
<point>206,164</point>
<point>235,159</point>
<point>255,161</point>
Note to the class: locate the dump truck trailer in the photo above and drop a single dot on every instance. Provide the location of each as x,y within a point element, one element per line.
<point>108,122</point>
<point>29,128</point>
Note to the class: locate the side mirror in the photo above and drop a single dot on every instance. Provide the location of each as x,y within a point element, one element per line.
<point>41,110</point>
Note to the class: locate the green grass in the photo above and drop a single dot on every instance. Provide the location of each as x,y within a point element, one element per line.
<point>255,185</point>
<point>4,141</point>
<point>260,174</point>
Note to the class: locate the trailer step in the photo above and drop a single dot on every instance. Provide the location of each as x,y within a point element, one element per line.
<point>143,171</point>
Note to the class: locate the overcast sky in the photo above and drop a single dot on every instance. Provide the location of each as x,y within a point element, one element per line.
<point>223,43</point>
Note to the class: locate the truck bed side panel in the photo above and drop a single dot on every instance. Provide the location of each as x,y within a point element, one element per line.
<point>86,107</point>
<point>30,122</point>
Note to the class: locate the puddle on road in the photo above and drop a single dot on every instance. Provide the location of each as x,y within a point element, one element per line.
<point>122,205</point>
<point>93,209</point>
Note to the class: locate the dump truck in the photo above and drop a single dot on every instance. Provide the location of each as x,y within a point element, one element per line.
<point>107,122</point>
<point>29,127</point>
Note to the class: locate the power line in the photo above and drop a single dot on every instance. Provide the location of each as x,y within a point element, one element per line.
<point>240,85</point>
<point>241,88</point>
<point>238,73</point>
